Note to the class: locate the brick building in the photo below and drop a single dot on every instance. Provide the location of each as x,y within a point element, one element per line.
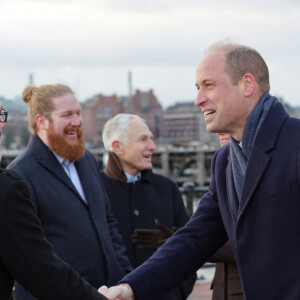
<point>96,112</point>
<point>184,123</point>
<point>146,105</point>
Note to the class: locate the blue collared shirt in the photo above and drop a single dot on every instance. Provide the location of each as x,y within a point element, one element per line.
<point>71,171</point>
<point>131,178</point>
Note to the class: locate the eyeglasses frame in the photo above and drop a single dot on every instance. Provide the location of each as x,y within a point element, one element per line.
<point>3,112</point>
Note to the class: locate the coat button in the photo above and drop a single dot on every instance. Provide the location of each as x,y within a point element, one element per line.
<point>136,212</point>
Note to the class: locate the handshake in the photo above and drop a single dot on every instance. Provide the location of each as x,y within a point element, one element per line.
<point>122,291</point>
<point>152,239</point>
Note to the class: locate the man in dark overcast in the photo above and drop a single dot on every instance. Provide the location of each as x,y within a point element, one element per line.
<point>25,254</point>
<point>253,197</point>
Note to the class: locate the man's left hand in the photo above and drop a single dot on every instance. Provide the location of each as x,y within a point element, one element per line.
<point>150,238</point>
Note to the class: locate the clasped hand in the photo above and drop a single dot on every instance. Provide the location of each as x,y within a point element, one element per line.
<point>120,292</point>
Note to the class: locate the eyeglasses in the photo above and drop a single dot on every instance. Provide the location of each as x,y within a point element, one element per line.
<point>3,115</point>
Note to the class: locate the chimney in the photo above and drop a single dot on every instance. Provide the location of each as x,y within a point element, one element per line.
<point>31,79</point>
<point>129,84</point>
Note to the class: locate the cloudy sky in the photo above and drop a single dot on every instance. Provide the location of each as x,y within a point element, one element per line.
<point>91,45</point>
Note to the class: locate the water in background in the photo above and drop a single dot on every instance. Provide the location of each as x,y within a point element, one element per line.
<point>206,274</point>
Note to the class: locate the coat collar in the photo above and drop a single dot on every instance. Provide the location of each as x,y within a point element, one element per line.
<point>114,170</point>
<point>45,157</point>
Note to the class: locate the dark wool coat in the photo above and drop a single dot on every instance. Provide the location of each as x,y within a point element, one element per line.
<point>25,254</point>
<point>85,236</point>
<point>136,206</point>
<point>263,228</point>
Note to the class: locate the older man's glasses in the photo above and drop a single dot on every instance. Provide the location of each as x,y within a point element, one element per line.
<point>3,115</point>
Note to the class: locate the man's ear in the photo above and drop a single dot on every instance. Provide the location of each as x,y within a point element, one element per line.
<point>117,147</point>
<point>249,84</point>
<point>41,122</point>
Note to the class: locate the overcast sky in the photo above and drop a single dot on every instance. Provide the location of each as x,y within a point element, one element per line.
<point>91,45</point>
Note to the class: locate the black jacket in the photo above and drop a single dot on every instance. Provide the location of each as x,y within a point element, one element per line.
<point>136,206</point>
<point>25,254</point>
<point>84,236</point>
<point>263,229</point>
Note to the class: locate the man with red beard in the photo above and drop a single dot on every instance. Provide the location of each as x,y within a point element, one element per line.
<point>66,187</point>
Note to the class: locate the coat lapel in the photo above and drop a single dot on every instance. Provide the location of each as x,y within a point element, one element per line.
<point>46,158</point>
<point>254,171</point>
<point>259,158</point>
<point>84,176</point>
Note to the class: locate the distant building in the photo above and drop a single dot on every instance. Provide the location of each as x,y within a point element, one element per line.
<point>95,113</point>
<point>293,111</point>
<point>296,112</point>
<point>184,123</point>
<point>180,124</point>
<point>16,106</point>
<point>146,105</point>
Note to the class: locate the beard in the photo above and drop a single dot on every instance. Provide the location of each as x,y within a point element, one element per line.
<point>58,144</point>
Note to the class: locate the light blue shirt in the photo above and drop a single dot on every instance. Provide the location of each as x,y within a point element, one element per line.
<point>70,169</point>
<point>131,178</point>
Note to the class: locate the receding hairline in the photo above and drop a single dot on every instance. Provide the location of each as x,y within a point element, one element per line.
<point>226,47</point>
<point>238,59</point>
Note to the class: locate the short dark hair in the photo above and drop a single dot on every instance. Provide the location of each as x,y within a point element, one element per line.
<point>240,60</point>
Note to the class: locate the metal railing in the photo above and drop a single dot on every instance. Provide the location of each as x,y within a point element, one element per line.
<point>192,195</point>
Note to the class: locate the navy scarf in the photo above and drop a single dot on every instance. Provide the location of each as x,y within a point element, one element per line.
<point>240,154</point>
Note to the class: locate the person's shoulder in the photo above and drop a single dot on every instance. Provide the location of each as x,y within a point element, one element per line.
<point>162,179</point>
<point>223,151</point>
<point>89,155</point>
<point>8,175</point>
<point>220,157</point>
<point>104,176</point>
<point>89,161</point>
<point>23,163</point>
<point>87,152</point>
<point>291,130</point>
<point>294,123</point>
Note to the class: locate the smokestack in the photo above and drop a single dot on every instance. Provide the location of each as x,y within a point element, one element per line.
<point>30,79</point>
<point>129,84</point>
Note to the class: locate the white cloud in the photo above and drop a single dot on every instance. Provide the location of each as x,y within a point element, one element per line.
<point>92,44</point>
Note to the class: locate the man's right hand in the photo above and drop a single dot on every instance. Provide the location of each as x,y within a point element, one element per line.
<point>122,291</point>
